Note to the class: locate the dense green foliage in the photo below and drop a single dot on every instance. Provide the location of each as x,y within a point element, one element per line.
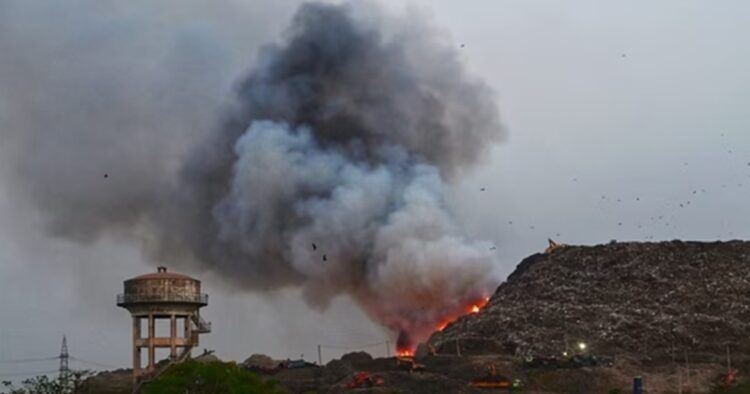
<point>45,385</point>
<point>195,377</point>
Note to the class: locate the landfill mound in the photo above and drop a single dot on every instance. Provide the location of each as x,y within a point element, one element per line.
<point>650,302</point>
<point>665,311</point>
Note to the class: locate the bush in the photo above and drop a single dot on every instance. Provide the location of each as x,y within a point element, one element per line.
<point>45,385</point>
<point>208,378</point>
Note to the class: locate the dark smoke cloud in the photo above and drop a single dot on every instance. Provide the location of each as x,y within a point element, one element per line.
<point>328,172</point>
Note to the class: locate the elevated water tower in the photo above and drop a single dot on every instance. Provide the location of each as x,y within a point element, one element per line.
<point>163,295</point>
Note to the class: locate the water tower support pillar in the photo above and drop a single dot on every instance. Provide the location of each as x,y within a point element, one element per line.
<point>173,336</point>
<point>136,347</point>
<point>151,348</point>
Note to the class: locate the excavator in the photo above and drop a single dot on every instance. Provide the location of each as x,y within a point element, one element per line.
<point>365,379</point>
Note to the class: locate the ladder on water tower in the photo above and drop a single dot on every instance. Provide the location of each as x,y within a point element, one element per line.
<point>201,326</point>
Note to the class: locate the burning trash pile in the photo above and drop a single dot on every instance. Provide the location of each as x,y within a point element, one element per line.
<point>405,346</point>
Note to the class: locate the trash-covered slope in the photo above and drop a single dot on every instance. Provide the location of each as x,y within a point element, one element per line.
<point>648,301</point>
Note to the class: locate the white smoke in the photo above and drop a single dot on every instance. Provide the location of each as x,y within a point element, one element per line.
<point>381,232</point>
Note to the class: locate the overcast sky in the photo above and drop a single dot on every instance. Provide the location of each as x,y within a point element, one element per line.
<point>626,120</point>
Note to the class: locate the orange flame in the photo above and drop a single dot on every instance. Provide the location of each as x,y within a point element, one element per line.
<point>405,350</point>
<point>474,307</point>
<point>479,305</point>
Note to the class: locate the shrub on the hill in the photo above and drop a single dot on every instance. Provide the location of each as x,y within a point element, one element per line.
<point>208,378</point>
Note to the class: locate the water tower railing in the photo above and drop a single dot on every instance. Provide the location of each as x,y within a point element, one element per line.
<point>123,299</point>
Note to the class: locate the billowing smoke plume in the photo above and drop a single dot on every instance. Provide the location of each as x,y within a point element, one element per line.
<point>329,173</point>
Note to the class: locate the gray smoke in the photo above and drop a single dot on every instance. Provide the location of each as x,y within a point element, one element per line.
<point>328,172</point>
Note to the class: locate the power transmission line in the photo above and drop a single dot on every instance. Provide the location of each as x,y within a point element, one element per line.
<point>354,347</point>
<point>63,370</point>
<point>28,360</point>
<point>98,364</point>
<point>8,375</point>
<point>358,347</point>
<point>40,359</point>
<point>51,358</point>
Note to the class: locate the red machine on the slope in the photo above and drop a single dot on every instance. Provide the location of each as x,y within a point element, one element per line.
<point>364,379</point>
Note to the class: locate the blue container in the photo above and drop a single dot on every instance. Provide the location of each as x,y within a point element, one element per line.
<point>637,385</point>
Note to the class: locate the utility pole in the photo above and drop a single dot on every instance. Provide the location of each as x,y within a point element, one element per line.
<point>320,356</point>
<point>64,371</point>
<point>388,348</point>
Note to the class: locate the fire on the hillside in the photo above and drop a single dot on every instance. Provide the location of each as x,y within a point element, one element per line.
<point>404,345</point>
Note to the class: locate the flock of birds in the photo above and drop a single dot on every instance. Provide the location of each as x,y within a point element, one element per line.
<point>656,218</point>
<point>315,247</point>
<point>682,204</point>
<point>666,219</point>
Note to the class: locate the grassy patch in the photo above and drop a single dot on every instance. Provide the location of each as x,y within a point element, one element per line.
<point>207,378</point>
